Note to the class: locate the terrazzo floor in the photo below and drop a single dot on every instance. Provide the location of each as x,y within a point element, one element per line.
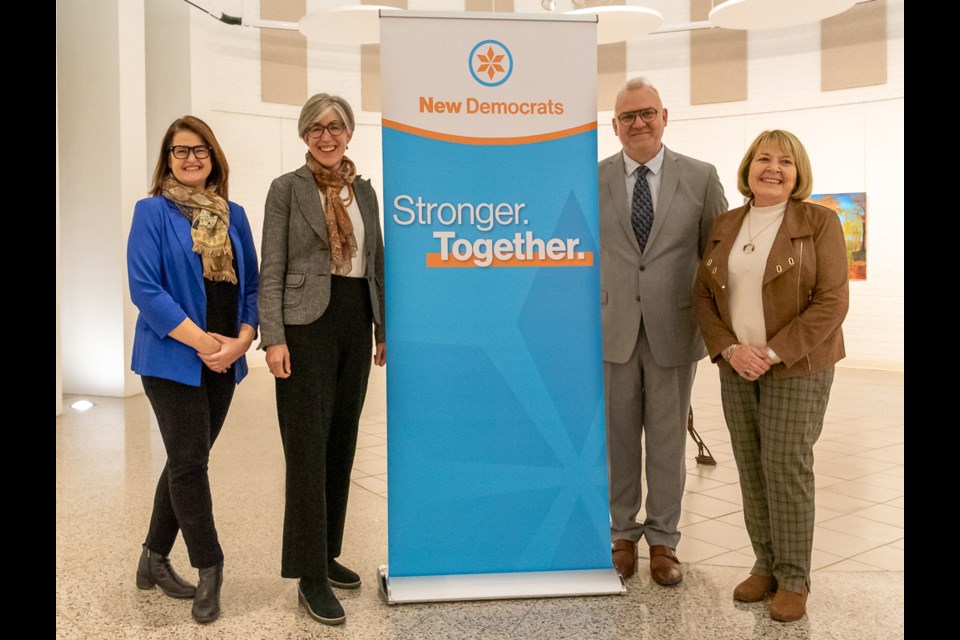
<point>108,459</point>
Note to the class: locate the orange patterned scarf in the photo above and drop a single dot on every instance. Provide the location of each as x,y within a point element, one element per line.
<point>343,244</point>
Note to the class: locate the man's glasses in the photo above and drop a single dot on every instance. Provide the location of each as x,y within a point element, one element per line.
<point>335,128</point>
<point>627,118</point>
<point>182,152</point>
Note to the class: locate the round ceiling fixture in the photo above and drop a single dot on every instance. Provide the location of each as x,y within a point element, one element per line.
<point>773,14</point>
<point>619,23</point>
<point>350,25</point>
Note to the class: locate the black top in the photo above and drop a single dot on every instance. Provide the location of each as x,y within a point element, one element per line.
<point>222,305</point>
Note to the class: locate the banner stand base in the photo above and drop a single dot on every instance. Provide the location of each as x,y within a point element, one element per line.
<point>499,586</point>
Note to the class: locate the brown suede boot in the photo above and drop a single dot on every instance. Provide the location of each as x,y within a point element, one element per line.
<point>755,588</point>
<point>788,606</point>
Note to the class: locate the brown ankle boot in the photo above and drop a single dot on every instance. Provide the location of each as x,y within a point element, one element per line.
<point>788,606</point>
<point>755,588</point>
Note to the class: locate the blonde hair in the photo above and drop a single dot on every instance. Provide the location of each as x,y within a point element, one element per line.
<point>788,143</point>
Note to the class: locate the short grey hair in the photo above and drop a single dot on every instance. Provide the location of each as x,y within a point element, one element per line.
<point>319,104</point>
<point>636,83</point>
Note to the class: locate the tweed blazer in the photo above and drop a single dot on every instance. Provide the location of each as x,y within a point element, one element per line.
<point>806,291</point>
<point>655,286</point>
<point>295,263</point>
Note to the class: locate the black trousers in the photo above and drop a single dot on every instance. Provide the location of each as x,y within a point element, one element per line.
<point>318,408</point>
<point>190,419</point>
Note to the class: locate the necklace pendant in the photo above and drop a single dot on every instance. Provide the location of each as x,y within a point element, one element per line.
<point>748,248</point>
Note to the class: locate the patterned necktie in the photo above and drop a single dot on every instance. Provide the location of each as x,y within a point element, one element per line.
<point>641,212</point>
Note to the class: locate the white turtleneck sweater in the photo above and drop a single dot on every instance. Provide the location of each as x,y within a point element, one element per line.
<point>745,285</point>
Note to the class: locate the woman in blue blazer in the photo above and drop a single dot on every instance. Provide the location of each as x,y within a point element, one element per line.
<point>193,276</point>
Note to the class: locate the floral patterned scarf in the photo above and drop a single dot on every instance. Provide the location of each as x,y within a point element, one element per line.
<point>209,218</point>
<point>343,243</point>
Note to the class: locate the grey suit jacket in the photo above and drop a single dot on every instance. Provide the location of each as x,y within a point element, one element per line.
<point>295,255</point>
<point>656,285</point>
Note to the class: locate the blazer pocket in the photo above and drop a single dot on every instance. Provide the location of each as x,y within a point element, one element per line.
<point>685,301</point>
<point>603,297</point>
<point>293,289</point>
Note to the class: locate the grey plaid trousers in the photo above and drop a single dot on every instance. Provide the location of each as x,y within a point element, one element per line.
<point>773,425</point>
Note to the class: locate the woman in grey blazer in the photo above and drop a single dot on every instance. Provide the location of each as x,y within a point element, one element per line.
<point>321,291</point>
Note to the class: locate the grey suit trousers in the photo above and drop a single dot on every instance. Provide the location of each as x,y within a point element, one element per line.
<point>646,404</point>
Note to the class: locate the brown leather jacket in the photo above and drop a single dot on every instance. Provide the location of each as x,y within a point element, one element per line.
<point>805,289</point>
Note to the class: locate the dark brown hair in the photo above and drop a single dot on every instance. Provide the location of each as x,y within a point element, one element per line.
<point>220,170</point>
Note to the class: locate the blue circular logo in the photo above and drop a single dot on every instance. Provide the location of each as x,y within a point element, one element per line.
<point>491,63</point>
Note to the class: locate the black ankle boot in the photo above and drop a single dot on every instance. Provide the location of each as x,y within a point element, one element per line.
<point>154,569</point>
<point>341,577</point>
<point>206,604</point>
<point>317,598</point>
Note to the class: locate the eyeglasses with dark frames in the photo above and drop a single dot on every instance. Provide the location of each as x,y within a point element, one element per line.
<point>647,115</point>
<point>335,128</point>
<point>182,152</point>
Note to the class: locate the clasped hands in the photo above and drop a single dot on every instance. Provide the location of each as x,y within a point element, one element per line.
<point>750,362</point>
<point>229,351</point>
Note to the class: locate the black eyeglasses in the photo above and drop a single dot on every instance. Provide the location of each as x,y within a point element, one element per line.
<point>627,118</point>
<point>182,152</point>
<point>335,128</point>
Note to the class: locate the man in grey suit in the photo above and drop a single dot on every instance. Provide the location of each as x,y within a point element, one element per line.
<point>656,211</point>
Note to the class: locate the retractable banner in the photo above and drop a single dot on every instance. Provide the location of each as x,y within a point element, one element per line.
<point>497,478</point>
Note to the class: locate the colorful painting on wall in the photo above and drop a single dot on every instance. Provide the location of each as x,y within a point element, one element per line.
<point>852,209</point>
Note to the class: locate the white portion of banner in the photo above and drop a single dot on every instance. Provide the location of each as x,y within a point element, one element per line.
<point>509,80</point>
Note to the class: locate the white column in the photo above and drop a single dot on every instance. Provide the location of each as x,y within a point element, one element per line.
<point>102,169</point>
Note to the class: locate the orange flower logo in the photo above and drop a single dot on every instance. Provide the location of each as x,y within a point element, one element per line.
<point>491,63</point>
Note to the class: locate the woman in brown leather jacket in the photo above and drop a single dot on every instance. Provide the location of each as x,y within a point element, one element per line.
<point>771,295</point>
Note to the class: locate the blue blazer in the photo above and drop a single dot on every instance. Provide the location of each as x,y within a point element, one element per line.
<point>166,285</point>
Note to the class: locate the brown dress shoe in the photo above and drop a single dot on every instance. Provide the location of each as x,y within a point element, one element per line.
<point>625,557</point>
<point>664,565</point>
<point>755,588</point>
<point>788,606</point>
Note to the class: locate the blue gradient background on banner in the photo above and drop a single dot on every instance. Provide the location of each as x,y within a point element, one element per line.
<point>496,447</point>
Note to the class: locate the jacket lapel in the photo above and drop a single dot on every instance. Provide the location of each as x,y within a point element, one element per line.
<point>235,242</point>
<point>613,182</point>
<point>782,255</point>
<point>362,191</point>
<point>668,189</point>
<point>718,258</point>
<point>177,222</point>
<point>309,205</point>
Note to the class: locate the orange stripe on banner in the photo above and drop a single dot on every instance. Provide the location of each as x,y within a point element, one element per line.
<point>448,137</point>
<point>434,261</point>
